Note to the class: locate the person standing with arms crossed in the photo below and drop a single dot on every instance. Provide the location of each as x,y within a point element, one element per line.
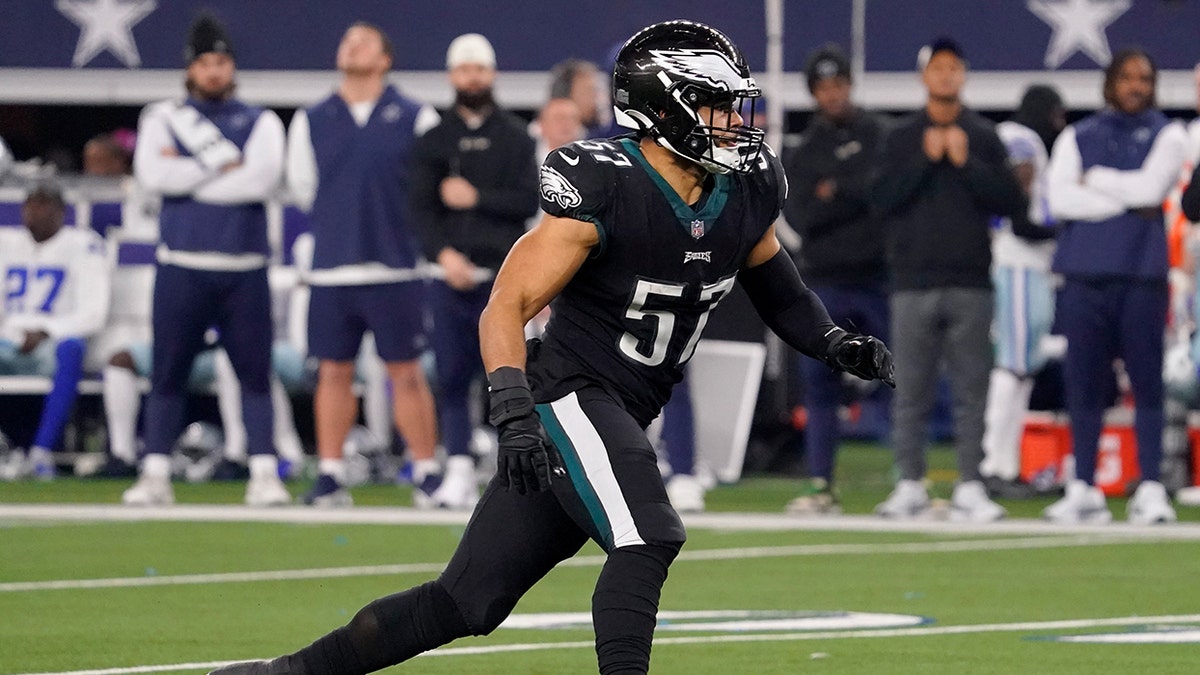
<point>349,166</point>
<point>215,160</point>
<point>1107,179</point>
<point>474,186</point>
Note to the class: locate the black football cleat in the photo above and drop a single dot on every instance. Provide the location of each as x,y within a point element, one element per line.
<point>279,666</point>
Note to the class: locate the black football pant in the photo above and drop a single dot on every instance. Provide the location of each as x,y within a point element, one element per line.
<point>607,488</point>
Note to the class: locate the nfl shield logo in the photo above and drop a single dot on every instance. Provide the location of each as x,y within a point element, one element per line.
<point>697,229</point>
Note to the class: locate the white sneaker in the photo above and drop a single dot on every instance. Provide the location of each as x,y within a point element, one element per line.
<point>266,490</point>
<point>686,493</point>
<point>970,504</point>
<point>149,491</point>
<point>13,465</point>
<point>1082,503</point>
<point>40,464</point>
<point>1189,496</point>
<point>908,500</point>
<point>458,491</point>
<point>1150,505</point>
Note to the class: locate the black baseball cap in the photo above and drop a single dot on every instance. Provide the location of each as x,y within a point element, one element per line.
<point>940,44</point>
<point>827,61</point>
<point>206,35</point>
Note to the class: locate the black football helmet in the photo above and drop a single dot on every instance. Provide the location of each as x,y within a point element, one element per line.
<point>663,76</point>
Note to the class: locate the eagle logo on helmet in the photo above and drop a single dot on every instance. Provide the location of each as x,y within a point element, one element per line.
<point>556,188</point>
<point>708,66</point>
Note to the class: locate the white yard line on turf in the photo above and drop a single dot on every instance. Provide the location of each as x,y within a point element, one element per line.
<point>581,561</point>
<point>1071,624</point>
<point>12,514</point>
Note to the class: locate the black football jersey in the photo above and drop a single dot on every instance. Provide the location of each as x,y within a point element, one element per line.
<point>631,317</point>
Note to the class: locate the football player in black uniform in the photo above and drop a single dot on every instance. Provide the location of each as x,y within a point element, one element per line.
<point>643,235</point>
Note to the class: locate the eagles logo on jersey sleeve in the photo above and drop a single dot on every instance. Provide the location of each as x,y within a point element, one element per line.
<point>573,183</point>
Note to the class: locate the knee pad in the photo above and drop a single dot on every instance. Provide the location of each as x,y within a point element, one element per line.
<point>483,609</point>
<point>663,552</point>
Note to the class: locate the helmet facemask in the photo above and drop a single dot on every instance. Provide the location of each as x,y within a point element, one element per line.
<point>713,141</point>
<point>679,83</point>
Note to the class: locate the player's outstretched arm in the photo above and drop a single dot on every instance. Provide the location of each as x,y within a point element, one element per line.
<point>797,315</point>
<point>539,265</point>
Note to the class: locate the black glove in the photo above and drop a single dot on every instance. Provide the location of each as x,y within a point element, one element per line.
<point>862,356</point>
<point>522,461</point>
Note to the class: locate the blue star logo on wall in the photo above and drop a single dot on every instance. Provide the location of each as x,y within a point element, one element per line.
<point>1078,27</point>
<point>106,25</point>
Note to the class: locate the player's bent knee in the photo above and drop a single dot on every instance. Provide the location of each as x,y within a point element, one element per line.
<point>663,552</point>
<point>659,523</point>
<point>482,610</point>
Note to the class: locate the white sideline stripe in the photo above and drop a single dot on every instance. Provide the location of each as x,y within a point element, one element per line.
<point>395,515</point>
<point>1069,624</point>
<point>578,561</point>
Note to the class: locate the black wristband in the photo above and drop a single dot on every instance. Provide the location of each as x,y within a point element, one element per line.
<point>507,377</point>
<point>834,337</point>
<point>509,395</point>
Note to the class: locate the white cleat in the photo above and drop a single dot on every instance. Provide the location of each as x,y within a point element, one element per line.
<point>1150,505</point>
<point>686,493</point>
<point>266,490</point>
<point>908,500</point>
<point>149,491</point>
<point>970,504</point>
<point>459,491</point>
<point>1082,503</point>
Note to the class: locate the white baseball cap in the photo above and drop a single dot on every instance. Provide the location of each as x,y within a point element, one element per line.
<point>470,48</point>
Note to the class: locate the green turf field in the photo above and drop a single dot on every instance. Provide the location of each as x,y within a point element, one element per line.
<point>88,593</point>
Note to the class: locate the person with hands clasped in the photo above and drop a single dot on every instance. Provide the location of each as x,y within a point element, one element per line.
<point>943,174</point>
<point>474,185</point>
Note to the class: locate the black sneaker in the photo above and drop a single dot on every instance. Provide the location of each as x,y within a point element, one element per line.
<point>423,492</point>
<point>327,493</point>
<point>1000,488</point>
<point>115,467</point>
<point>228,469</point>
<point>280,666</point>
